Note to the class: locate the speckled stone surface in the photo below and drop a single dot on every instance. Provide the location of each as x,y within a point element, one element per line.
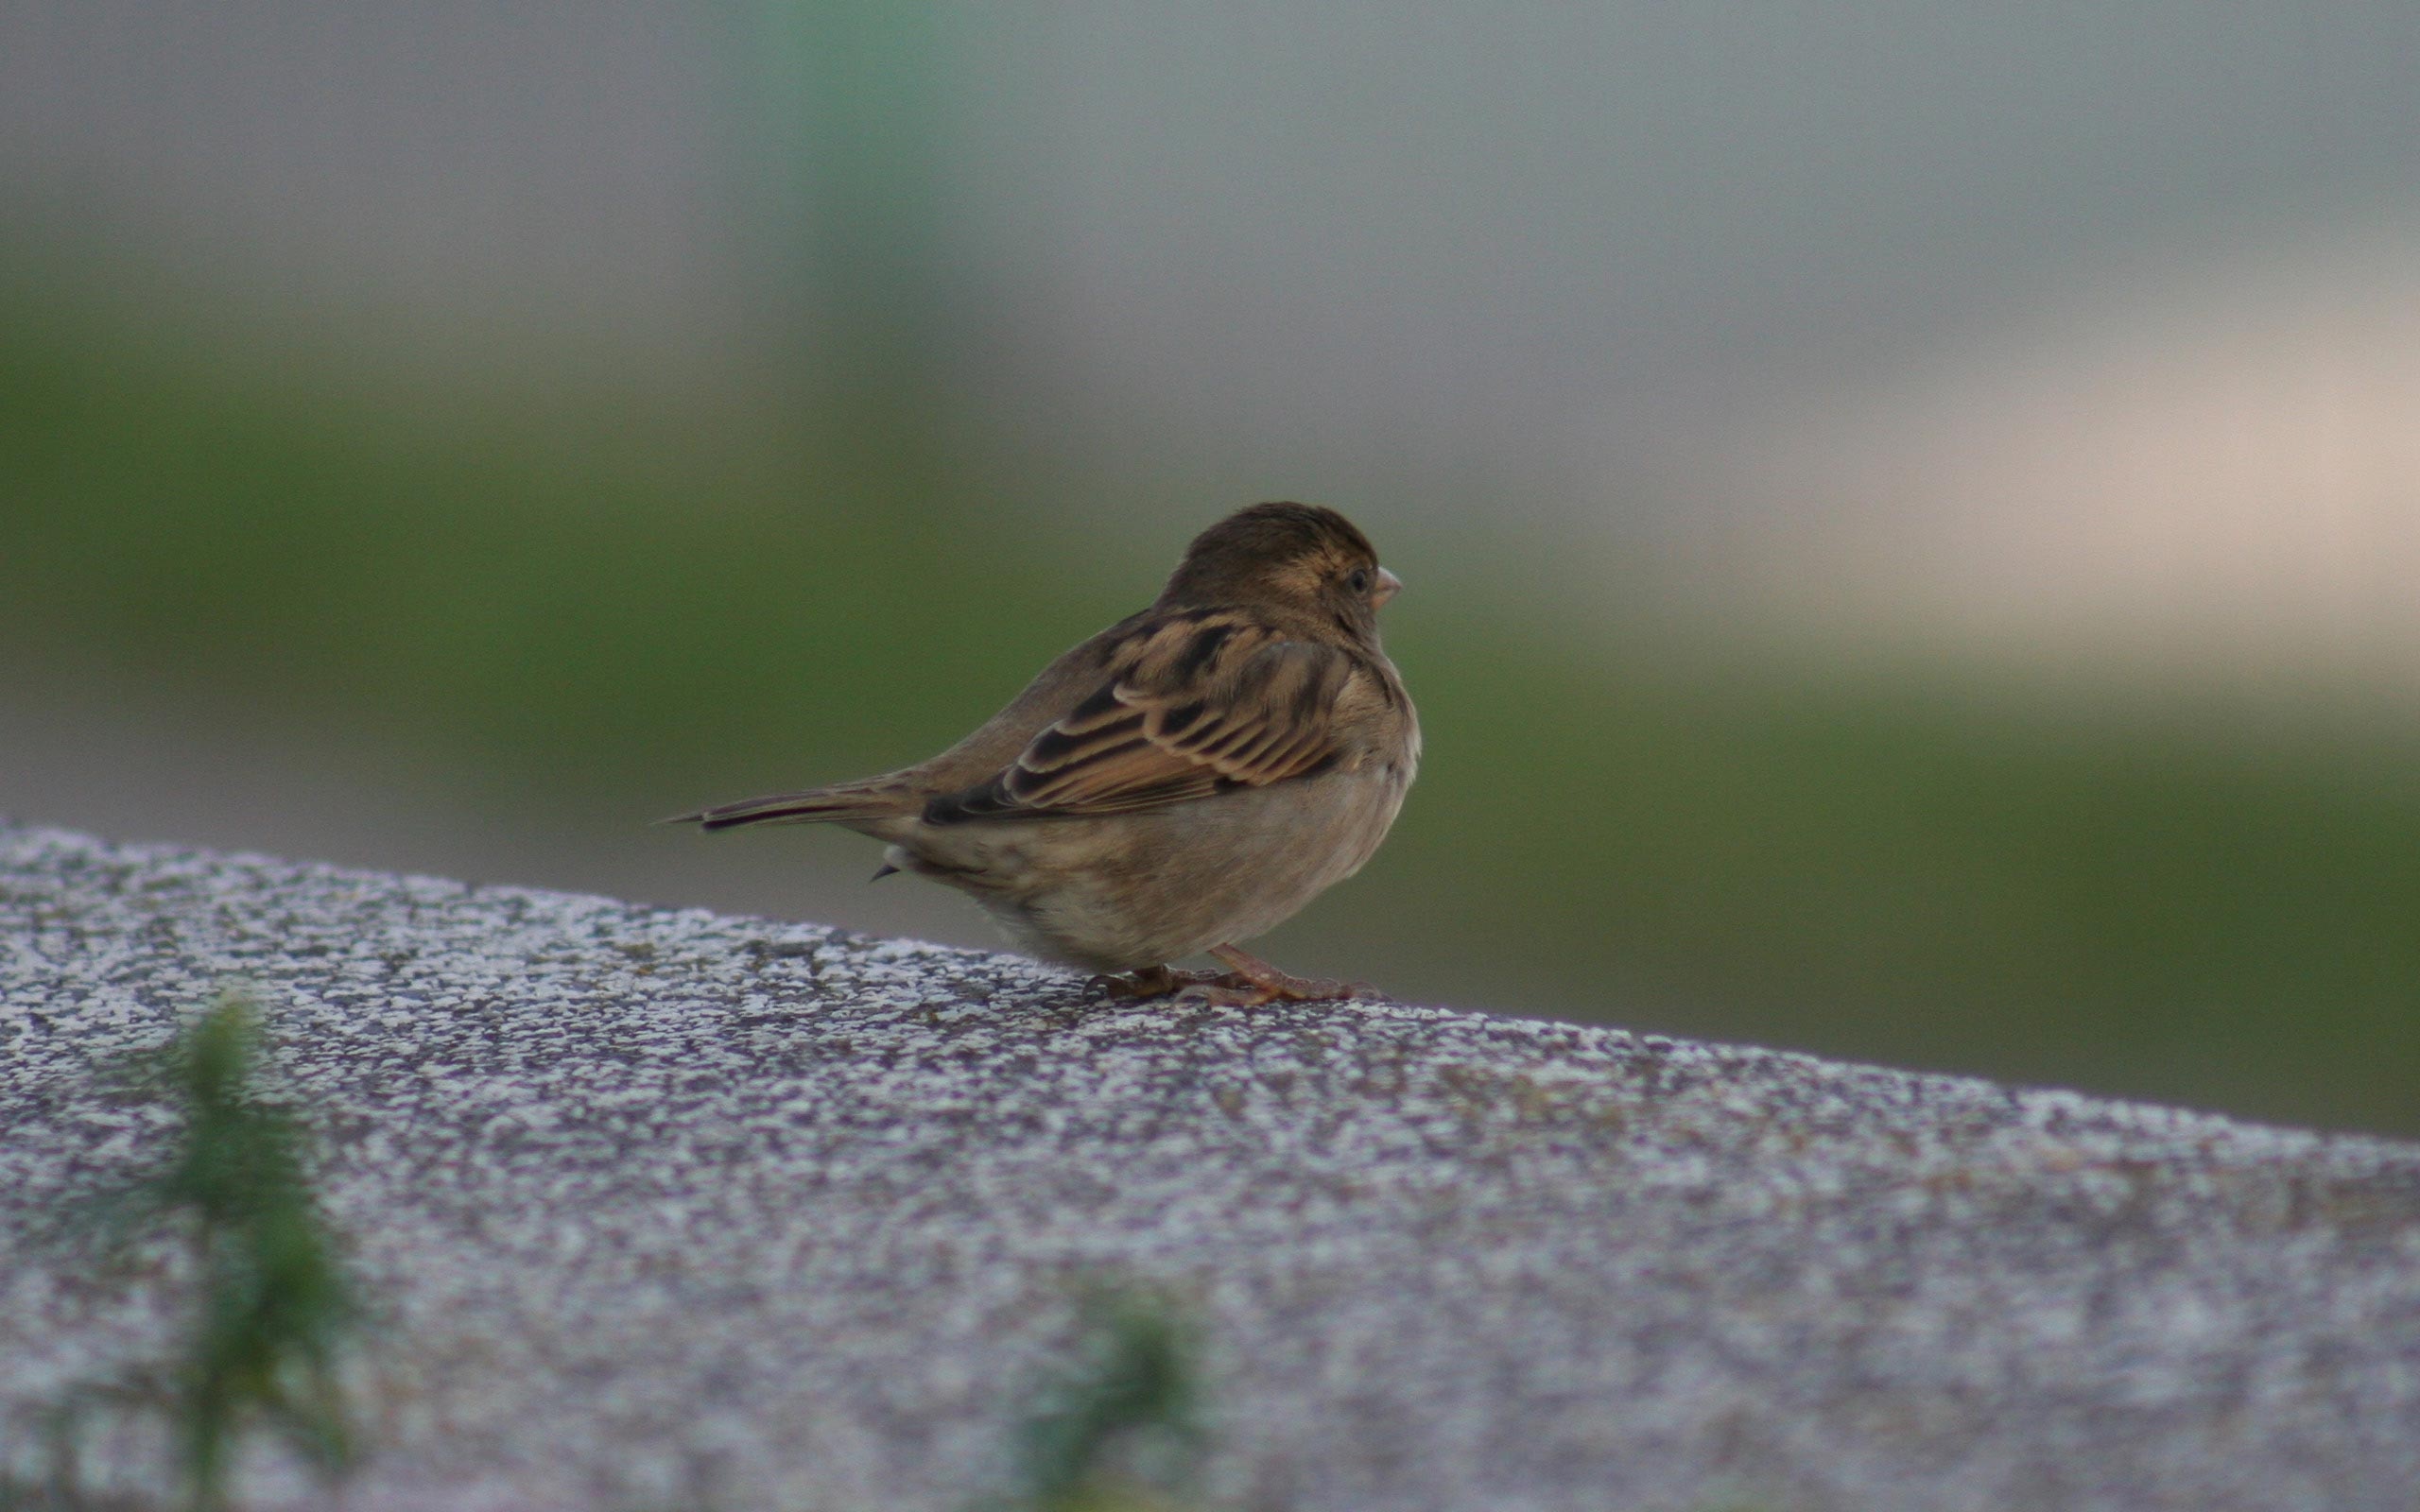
<point>670,1209</point>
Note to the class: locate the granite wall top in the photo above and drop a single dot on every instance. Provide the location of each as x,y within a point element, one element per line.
<point>672,1209</point>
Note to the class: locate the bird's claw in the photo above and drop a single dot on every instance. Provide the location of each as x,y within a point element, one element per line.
<point>1142,986</point>
<point>1130,987</point>
<point>1252,983</point>
<point>1233,990</point>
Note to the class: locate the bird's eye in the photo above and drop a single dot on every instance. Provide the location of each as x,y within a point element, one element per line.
<point>1360,581</point>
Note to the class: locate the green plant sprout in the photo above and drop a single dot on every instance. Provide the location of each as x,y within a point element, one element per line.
<point>1121,1425</point>
<point>273,1308</point>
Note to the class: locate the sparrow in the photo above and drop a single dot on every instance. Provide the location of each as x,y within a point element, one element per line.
<point>1186,780</point>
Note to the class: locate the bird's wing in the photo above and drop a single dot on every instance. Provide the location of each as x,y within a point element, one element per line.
<point>1195,704</point>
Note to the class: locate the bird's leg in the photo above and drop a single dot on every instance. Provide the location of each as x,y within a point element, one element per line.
<point>1250,982</point>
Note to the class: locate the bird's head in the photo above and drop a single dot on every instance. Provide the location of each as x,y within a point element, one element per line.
<point>1301,558</point>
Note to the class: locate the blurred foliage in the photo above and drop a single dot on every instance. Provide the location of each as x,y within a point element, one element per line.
<point>571,594</point>
<point>584,600</point>
<point>1924,875</point>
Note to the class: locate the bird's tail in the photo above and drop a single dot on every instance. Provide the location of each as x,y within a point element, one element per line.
<point>876,797</point>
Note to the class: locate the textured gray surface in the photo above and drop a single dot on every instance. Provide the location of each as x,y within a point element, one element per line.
<point>676,1210</point>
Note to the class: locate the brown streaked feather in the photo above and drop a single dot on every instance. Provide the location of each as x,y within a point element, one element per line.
<point>1190,705</point>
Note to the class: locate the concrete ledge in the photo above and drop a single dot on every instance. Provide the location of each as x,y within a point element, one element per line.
<point>671,1208</point>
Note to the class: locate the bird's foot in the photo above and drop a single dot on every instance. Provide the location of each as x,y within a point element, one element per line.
<point>1249,982</point>
<point>1149,982</point>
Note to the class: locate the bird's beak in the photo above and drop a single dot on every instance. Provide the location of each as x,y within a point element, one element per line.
<point>1389,586</point>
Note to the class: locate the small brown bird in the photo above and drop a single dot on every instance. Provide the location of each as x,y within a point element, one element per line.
<point>1187,779</point>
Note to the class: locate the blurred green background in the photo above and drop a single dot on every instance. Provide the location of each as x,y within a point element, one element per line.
<point>1910,519</point>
